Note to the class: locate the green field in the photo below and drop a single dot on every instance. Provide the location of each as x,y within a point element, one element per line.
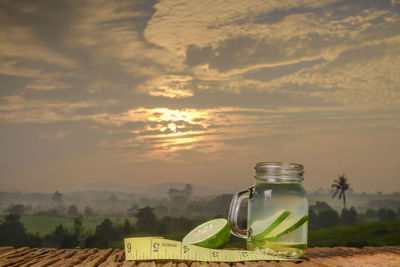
<point>359,235</point>
<point>46,224</point>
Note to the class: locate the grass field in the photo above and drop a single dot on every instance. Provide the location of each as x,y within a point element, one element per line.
<point>46,224</point>
<point>359,235</point>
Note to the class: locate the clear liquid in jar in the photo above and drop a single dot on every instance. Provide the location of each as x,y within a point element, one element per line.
<point>271,203</point>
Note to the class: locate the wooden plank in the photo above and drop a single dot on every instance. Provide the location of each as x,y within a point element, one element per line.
<point>4,250</point>
<point>34,257</point>
<point>14,253</point>
<point>114,259</point>
<point>96,259</point>
<point>53,259</point>
<point>76,259</point>
<point>43,259</point>
<point>315,257</point>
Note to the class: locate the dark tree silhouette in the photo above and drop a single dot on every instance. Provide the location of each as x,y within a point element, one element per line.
<point>328,218</point>
<point>386,215</point>
<point>188,190</point>
<point>73,210</point>
<point>88,211</point>
<point>57,197</point>
<point>61,237</point>
<point>12,232</point>
<point>220,203</point>
<point>133,210</point>
<point>17,209</point>
<point>349,216</point>
<point>174,227</point>
<point>320,206</point>
<point>127,229</point>
<point>341,185</point>
<point>103,235</point>
<point>180,196</point>
<point>146,219</point>
<point>78,228</point>
<point>371,214</point>
<point>312,219</point>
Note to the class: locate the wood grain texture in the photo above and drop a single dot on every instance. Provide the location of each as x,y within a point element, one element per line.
<point>315,257</point>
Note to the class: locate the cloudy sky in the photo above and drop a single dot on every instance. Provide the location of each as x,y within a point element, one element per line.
<point>144,92</point>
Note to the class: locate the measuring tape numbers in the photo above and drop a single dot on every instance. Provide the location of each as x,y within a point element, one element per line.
<point>156,248</point>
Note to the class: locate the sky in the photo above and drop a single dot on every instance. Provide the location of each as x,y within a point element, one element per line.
<point>145,92</point>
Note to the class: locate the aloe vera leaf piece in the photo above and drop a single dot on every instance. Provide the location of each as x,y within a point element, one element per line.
<point>293,227</point>
<point>274,224</point>
<point>258,243</point>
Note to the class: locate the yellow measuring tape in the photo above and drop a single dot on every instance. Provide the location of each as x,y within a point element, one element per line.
<point>157,248</point>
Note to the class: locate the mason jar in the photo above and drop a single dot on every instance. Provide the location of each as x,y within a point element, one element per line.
<point>277,218</point>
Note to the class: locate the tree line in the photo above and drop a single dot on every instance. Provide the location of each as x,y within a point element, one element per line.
<point>322,215</point>
<point>108,234</point>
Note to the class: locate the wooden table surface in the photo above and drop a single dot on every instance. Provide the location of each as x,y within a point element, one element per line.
<point>322,257</point>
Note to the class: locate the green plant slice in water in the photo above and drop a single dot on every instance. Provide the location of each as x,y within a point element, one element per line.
<point>268,225</point>
<point>285,227</point>
<point>211,234</point>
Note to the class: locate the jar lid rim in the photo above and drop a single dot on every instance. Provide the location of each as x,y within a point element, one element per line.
<point>278,164</point>
<point>285,170</point>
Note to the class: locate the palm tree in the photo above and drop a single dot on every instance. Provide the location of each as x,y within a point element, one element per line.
<point>341,186</point>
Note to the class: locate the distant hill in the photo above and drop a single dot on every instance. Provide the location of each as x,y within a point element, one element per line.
<point>149,191</point>
<point>110,198</point>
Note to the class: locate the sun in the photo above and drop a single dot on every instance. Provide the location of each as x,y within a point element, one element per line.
<point>175,129</point>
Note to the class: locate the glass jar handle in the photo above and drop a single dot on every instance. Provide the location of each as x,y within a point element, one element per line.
<point>234,212</point>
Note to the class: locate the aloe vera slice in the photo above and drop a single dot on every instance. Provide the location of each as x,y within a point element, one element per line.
<point>285,227</point>
<point>268,225</point>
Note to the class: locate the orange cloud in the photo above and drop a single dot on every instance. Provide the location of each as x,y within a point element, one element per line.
<point>171,86</point>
